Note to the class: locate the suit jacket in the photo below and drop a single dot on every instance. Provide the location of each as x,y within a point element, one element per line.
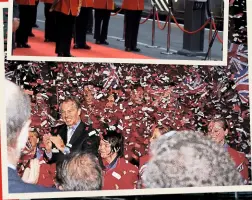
<point>121,176</point>
<point>133,4</point>
<point>87,3</point>
<point>26,2</point>
<point>68,7</point>
<point>16,185</point>
<point>84,138</point>
<point>104,4</point>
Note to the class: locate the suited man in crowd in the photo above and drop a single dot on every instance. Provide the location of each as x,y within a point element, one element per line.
<point>50,22</point>
<point>26,8</point>
<point>72,136</point>
<point>81,25</point>
<point>103,10</point>
<point>133,10</point>
<point>18,108</point>
<point>65,15</point>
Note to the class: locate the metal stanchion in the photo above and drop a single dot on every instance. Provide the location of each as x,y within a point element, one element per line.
<point>124,25</point>
<point>153,29</point>
<point>168,52</point>
<point>210,36</point>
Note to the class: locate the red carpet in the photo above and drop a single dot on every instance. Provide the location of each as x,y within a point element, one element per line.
<point>41,48</point>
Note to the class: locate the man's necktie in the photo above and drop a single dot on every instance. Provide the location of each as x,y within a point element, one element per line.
<point>69,133</point>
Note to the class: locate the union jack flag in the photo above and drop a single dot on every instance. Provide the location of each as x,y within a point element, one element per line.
<point>241,80</point>
<point>238,63</point>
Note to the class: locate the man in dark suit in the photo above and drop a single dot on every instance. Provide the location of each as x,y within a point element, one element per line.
<point>72,136</point>
<point>17,123</point>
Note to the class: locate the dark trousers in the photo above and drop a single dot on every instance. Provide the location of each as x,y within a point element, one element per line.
<point>102,17</point>
<point>132,20</point>
<point>90,20</point>
<point>64,30</point>
<point>25,26</point>
<point>81,24</point>
<point>34,14</point>
<point>50,23</point>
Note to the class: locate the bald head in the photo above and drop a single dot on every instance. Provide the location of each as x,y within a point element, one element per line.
<point>18,110</point>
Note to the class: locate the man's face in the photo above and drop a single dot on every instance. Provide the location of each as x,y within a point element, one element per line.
<point>69,113</point>
<point>217,132</point>
<point>33,139</point>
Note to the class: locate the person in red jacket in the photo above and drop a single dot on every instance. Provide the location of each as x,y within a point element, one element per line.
<point>45,173</point>
<point>65,13</point>
<point>81,25</point>
<point>26,8</point>
<point>133,10</point>
<point>217,131</point>
<point>50,22</point>
<point>118,173</point>
<point>103,10</point>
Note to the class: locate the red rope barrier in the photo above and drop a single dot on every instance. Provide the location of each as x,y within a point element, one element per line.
<point>190,32</point>
<point>116,12</point>
<point>218,36</point>
<point>158,22</point>
<point>146,18</point>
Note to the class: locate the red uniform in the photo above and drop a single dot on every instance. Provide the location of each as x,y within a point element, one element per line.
<point>241,163</point>
<point>26,2</point>
<point>133,5</point>
<point>122,176</point>
<point>104,4</point>
<point>68,7</point>
<point>87,3</point>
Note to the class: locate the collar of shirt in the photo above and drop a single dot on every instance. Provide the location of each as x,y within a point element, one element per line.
<point>74,126</point>
<point>38,154</point>
<point>12,166</point>
<point>225,146</point>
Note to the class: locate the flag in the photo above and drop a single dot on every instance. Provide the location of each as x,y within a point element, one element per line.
<point>241,80</point>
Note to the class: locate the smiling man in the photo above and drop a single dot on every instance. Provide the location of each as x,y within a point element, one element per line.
<point>72,136</point>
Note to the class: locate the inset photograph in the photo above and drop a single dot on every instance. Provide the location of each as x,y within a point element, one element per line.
<point>141,31</point>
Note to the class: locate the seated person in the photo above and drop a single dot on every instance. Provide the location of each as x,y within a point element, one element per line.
<point>118,173</point>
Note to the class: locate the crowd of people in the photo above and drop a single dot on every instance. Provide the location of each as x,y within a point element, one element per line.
<point>67,20</point>
<point>75,156</point>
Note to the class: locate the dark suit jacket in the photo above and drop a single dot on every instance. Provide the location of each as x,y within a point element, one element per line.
<point>80,141</point>
<point>16,185</point>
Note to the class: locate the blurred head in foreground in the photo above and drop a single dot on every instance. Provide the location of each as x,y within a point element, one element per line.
<point>188,159</point>
<point>79,172</point>
<point>17,120</point>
